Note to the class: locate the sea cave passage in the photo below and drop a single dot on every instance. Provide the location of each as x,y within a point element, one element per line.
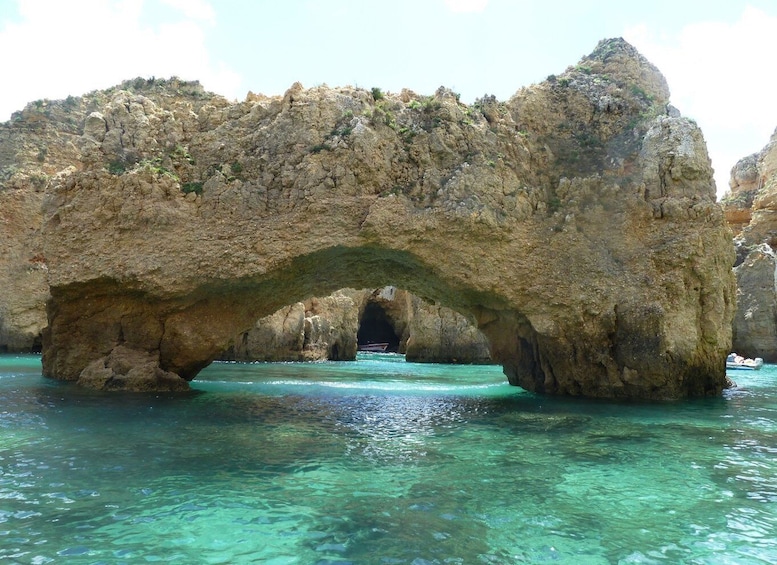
<point>375,327</point>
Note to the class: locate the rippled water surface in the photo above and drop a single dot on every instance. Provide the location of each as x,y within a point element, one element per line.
<point>381,461</point>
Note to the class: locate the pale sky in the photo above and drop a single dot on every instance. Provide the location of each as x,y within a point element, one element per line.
<point>717,55</point>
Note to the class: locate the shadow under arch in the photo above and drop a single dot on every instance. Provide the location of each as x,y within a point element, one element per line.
<point>111,334</point>
<point>337,326</point>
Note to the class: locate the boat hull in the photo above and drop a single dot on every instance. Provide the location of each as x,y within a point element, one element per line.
<point>746,365</point>
<point>374,347</point>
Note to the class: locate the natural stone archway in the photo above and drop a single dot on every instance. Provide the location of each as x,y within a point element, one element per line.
<point>576,223</point>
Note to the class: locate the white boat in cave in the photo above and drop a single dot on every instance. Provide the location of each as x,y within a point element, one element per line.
<point>734,361</point>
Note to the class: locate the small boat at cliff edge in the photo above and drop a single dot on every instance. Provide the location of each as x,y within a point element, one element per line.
<point>734,361</point>
<point>374,347</point>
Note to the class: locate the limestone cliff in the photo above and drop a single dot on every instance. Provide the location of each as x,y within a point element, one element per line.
<point>36,146</point>
<point>751,210</point>
<point>39,146</point>
<point>438,334</point>
<point>575,222</point>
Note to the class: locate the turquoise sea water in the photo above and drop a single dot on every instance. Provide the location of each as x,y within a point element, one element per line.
<point>385,462</point>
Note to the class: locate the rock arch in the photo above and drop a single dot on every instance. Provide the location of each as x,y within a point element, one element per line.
<point>576,223</point>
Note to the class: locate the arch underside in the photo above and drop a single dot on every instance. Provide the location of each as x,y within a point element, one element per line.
<point>140,342</point>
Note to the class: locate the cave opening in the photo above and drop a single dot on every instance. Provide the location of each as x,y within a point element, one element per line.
<point>375,327</point>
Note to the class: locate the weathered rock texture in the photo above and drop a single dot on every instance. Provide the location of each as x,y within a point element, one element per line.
<point>328,329</point>
<point>576,223</point>
<point>437,334</point>
<point>316,330</point>
<point>751,210</point>
<point>36,149</point>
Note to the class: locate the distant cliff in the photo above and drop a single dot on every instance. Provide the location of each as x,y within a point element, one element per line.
<point>576,223</point>
<point>751,210</point>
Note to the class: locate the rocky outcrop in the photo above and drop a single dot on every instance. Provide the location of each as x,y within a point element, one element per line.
<point>277,337</point>
<point>576,223</point>
<point>40,146</point>
<point>320,329</point>
<point>441,335</point>
<point>751,210</point>
<point>755,322</point>
<point>744,185</point>
<point>329,329</point>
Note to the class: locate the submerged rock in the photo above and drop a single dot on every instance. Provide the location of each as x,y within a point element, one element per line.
<point>576,223</point>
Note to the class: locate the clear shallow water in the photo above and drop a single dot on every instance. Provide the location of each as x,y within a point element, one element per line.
<point>381,461</point>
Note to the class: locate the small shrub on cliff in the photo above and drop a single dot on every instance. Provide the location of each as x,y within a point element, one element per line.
<point>407,133</point>
<point>431,104</point>
<point>587,139</point>
<point>155,166</point>
<point>319,147</point>
<point>195,187</point>
<point>182,152</point>
<point>116,167</point>
<point>377,93</point>
<point>640,92</point>
<point>381,115</point>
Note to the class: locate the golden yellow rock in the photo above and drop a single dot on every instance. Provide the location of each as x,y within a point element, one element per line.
<point>576,223</point>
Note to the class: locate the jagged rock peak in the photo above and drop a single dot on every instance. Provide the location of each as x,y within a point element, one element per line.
<point>617,61</point>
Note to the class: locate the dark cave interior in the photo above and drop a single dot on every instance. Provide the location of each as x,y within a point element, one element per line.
<point>376,327</point>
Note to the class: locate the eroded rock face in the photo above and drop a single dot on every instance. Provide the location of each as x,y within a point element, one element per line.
<point>441,335</point>
<point>751,210</point>
<point>277,337</point>
<point>576,223</point>
<point>316,330</point>
<point>327,328</point>
<point>744,184</point>
<point>755,322</point>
